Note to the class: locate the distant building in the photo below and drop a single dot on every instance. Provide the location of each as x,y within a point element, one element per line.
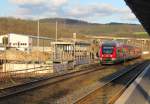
<point>26,42</point>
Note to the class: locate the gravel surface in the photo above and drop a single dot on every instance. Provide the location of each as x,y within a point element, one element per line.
<point>66,91</point>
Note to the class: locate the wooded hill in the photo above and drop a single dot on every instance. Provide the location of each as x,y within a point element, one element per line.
<point>66,27</point>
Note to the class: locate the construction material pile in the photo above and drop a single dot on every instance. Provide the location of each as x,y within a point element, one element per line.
<point>15,55</point>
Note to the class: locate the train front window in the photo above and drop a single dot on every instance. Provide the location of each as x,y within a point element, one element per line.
<point>107,50</point>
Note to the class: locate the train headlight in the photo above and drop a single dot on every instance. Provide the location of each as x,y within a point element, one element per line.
<point>113,59</point>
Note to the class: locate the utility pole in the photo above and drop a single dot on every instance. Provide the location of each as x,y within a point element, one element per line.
<point>124,52</point>
<point>56,31</point>
<point>74,39</point>
<point>38,34</point>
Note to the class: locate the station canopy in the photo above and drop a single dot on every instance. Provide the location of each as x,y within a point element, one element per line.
<point>141,8</point>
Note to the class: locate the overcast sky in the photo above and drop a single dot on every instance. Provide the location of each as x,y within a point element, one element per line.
<point>101,11</point>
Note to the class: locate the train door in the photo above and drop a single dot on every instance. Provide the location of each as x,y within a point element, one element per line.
<point>119,53</point>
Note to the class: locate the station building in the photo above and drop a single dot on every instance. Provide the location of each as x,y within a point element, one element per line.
<point>66,55</point>
<point>26,42</point>
<point>69,51</point>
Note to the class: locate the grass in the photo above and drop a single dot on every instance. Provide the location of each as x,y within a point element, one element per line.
<point>140,33</point>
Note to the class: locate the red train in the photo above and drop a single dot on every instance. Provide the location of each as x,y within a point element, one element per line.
<point>113,52</point>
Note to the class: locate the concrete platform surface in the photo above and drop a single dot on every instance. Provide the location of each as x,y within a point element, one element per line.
<point>139,91</point>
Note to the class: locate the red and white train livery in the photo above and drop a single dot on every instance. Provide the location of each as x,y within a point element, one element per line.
<point>113,52</point>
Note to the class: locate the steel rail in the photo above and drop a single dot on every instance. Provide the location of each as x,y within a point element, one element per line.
<point>140,65</point>
<point>14,90</point>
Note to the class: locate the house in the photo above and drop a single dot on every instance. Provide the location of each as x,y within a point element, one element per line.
<point>26,42</point>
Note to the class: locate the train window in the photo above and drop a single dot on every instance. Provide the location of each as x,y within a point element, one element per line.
<point>107,50</point>
<point>123,51</point>
<point>118,50</point>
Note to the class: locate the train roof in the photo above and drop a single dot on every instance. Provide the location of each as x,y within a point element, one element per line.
<point>116,44</point>
<point>111,43</point>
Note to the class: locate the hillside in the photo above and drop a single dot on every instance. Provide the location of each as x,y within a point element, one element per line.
<point>66,27</point>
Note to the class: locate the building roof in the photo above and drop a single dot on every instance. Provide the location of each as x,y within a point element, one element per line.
<point>141,8</point>
<point>71,43</point>
<point>34,36</point>
<point>83,43</point>
<point>62,43</point>
<point>111,43</point>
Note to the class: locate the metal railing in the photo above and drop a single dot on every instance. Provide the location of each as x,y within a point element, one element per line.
<point>26,73</point>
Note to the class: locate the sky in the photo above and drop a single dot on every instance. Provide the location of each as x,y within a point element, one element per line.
<point>96,11</point>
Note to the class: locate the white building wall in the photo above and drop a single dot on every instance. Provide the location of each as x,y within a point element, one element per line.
<point>23,42</point>
<point>19,41</point>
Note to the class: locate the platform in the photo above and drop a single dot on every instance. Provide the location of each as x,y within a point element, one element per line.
<point>139,91</point>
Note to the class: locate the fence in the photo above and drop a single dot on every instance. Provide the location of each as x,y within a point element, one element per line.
<point>26,73</point>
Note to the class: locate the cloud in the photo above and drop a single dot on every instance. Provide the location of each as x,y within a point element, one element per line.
<point>127,15</point>
<point>101,11</point>
<point>38,2</point>
<point>60,8</point>
<point>38,7</point>
<point>58,2</point>
<point>22,2</point>
<point>97,9</point>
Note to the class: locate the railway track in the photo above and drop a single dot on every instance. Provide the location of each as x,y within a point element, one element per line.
<point>14,90</point>
<point>111,90</point>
